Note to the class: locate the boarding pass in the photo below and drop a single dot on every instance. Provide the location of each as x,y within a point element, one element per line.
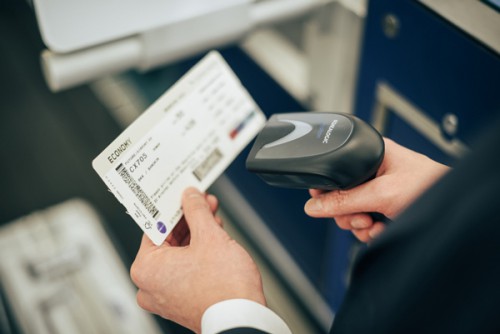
<point>188,137</point>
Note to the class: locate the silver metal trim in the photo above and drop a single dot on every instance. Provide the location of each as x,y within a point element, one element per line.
<point>473,17</point>
<point>388,99</point>
<point>284,62</point>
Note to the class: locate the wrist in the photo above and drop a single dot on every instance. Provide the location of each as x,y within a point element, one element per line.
<point>241,313</point>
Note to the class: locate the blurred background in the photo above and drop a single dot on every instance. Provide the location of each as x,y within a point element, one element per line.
<point>74,74</point>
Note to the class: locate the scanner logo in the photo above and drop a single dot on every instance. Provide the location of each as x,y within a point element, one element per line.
<point>329,131</point>
<point>301,129</point>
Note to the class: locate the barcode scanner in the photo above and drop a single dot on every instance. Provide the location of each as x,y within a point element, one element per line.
<point>320,150</point>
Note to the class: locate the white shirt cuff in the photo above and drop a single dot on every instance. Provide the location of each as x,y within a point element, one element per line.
<point>237,313</point>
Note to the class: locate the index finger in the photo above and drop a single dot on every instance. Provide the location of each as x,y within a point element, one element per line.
<point>363,198</point>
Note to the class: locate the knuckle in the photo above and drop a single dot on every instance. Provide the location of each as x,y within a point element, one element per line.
<point>135,273</point>
<point>141,301</point>
<point>198,205</point>
<point>342,223</point>
<point>337,200</point>
<point>388,197</point>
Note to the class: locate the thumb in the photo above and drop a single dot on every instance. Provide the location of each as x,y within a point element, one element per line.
<point>362,198</point>
<point>197,212</point>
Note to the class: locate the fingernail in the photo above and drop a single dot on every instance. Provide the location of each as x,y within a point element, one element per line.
<point>313,205</point>
<point>192,192</point>
<point>358,223</point>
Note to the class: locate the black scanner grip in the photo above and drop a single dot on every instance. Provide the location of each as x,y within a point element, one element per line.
<point>320,150</point>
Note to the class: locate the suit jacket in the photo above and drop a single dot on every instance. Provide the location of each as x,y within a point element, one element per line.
<point>436,269</point>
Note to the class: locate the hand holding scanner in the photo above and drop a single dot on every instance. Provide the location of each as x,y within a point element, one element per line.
<point>319,150</point>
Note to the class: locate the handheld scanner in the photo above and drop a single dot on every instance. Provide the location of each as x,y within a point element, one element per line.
<point>320,150</point>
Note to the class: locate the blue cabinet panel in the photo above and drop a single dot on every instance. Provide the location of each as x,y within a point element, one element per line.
<point>431,62</point>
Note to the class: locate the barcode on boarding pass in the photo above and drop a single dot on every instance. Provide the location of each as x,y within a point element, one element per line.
<point>206,166</point>
<point>137,190</point>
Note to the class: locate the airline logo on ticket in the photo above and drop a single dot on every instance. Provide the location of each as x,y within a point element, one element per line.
<point>188,137</point>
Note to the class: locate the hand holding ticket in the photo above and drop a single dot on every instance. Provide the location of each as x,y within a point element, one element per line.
<point>188,137</point>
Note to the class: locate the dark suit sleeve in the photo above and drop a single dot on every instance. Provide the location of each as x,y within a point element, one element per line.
<point>436,269</point>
